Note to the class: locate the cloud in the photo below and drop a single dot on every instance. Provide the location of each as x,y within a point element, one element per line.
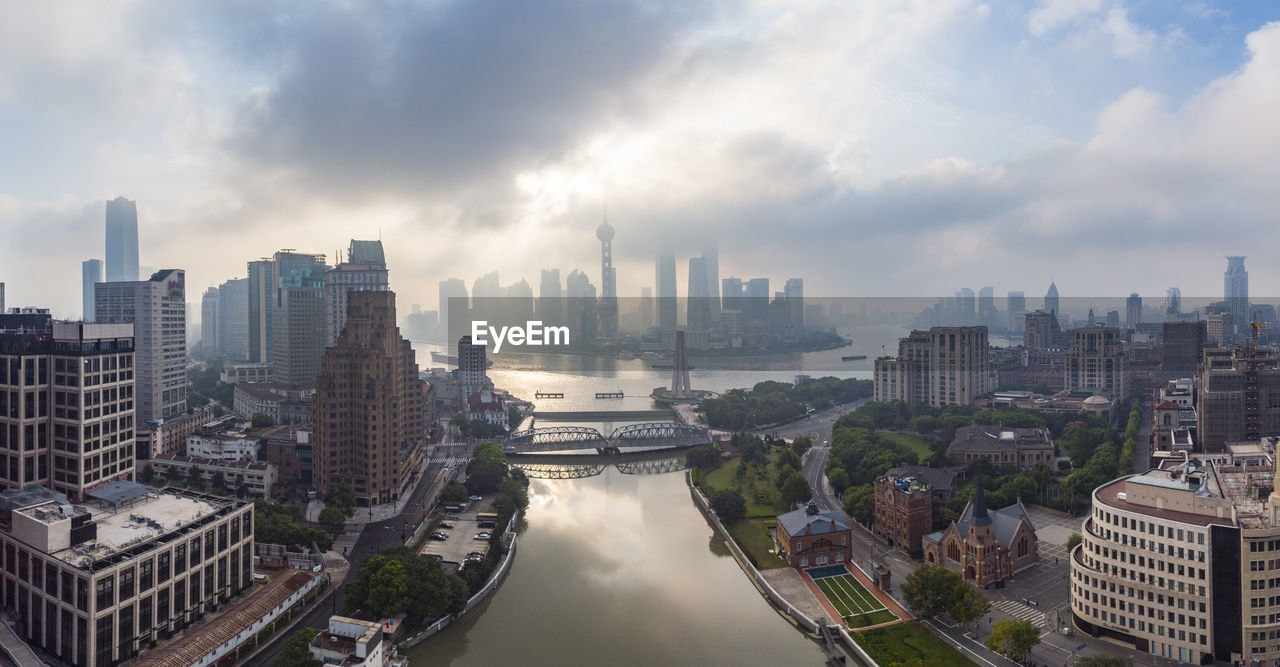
<point>1052,14</point>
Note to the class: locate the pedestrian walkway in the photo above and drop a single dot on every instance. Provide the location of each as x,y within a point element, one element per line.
<point>347,540</point>
<point>1019,611</point>
<point>376,513</point>
<point>16,647</point>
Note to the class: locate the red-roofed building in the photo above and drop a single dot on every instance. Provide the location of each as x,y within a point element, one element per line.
<point>488,406</point>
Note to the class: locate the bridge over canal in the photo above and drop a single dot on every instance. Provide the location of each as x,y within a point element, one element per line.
<point>647,436</point>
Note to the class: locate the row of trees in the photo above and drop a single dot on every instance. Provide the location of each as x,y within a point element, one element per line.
<point>193,479</point>
<point>772,402</point>
<point>282,524</point>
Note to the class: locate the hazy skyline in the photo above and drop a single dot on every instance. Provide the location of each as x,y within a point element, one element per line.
<point>871,149</point>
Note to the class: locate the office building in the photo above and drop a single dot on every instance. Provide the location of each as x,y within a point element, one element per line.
<point>284,404</point>
<point>364,270</point>
<point>665,284</point>
<point>941,366</point>
<point>1180,562</point>
<point>1051,305</point>
<point>607,308</point>
<point>733,294</point>
<point>1236,289</point>
<point>2,311</point>
<point>454,306</point>
<point>794,291</point>
<point>90,274</point>
<point>698,318</point>
<point>264,282</point>
<point>96,583</point>
<point>66,403</point>
<point>1182,344</point>
<point>757,300</point>
<point>646,308</point>
<point>580,308</point>
<point>1132,311</point>
<point>987,306</point>
<point>233,321</point>
<point>1229,394</point>
<point>985,547</point>
<point>903,510</point>
<point>965,307</point>
<point>157,309</point>
<point>369,427</point>
<point>298,338</point>
<point>169,436</point>
<point>1220,329</point>
<point>122,241</point>
<point>209,321</point>
<point>711,253</point>
<point>1098,362</point>
<point>1041,331</point>
<point>550,306</point>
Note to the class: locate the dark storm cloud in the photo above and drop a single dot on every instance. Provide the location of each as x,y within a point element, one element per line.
<point>444,98</point>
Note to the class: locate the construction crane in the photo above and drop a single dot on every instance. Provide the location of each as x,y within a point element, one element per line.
<point>1251,430</point>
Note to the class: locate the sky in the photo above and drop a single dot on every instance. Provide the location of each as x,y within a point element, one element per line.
<point>872,148</point>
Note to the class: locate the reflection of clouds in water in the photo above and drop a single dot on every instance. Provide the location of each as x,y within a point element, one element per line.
<point>599,525</point>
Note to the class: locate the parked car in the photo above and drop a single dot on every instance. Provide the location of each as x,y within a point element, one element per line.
<point>446,524</point>
<point>483,536</point>
<point>477,498</point>
<point>439,537</point>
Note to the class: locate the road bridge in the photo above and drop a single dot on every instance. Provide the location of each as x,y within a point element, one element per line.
<point>644,436</point>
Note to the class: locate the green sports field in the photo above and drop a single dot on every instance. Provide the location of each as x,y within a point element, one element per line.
<point>854,602</point>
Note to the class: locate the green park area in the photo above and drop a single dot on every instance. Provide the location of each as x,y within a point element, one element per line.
<point>911,442</point>
<point>908,644</point>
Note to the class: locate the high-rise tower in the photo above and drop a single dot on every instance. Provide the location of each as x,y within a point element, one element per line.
<point>1051,300</point>
<point>122,240</point>
<point>90,274</point>
<point>1236,290</point>
<point>608,305</point>
<point>665,282</point>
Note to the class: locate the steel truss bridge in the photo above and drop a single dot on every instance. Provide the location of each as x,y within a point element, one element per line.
<point>630,438</point>
<point>578,469</point>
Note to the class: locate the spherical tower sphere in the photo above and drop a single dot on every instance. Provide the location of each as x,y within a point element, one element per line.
<point>605,232</point>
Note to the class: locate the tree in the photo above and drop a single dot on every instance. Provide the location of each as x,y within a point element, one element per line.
<point>333,518</point>
<point>261,420</point>
<point>796,489</point>
<point>839,480</point>
<point>783,473</point>
<point>343,497</point>
<point>801,444</point>
<point>172,473</point>
<point>296,653</point>
<point>969,604</point>
<point>1073,541</point>
<point>148,474</point>
<point>931,590</point>
<point>1013,639</point>
<point>729,504</point>
<point>487,469</point>
<point>860,503</point>
<point>454,492</point>
<point>789,457</point>
<point>219,482</point>
<point>218,410</point>
<point>704,457</point>
<point>389,590</point>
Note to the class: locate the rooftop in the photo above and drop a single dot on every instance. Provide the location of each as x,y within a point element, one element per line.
<point>800,522</point>
<point>988,437</point>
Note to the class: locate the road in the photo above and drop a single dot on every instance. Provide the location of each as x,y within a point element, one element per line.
<point>376,537</point>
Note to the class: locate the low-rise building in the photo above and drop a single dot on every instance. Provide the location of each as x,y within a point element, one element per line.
<point>903,510</point>
<point>282,403</point>
<point>257,477</point>
<point>985,547</point>
<point>1020,448</point>
<point>228,446</point>
<point>809,538</point>
<point>94,584</point>
<point>348,642</point>
<point>245,373</point>
<point>487,405</point>
<point>169,435</point>
<point>289,449</point>
<point>941,481</point>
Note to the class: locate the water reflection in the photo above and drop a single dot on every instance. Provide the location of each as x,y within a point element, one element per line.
<point>571,466</point>
<point>613,569</point>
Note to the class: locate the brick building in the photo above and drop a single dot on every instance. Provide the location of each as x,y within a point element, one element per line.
<point>809,538</point>
<point>985,547</point>
<point>1020,448</point>
<point>903,510</point>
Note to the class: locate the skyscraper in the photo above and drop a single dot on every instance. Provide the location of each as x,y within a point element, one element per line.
<point>646,307</point>
<point>733,295</point>
<point>1132,311</point>
<point>473,367</point>
<point>550,308</point>
<point>298,338</point>
<point>122,240</point>
<point>965,311</point>
<point>608,306</point>
<point>711,253</point>
<point>987,306</point>
<point>698,317</point>
<point>264,282</point>
<point>209,321</point>
<point>365,270</point>
<point>580,308</point>
<point>794,291</point>
<point>758,300</point>
<point>453,304</point>
<point>1017,302</point>
<point>369,419</point>
<point>90,274</point>
<point>665,282</point>
<point>157,308</point>
<point>1173,305</point>
<point>233,320</point>
<point>1236,291</point>
<point>1051,301</point>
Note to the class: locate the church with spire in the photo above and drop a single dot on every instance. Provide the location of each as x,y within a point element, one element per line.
<point>985,546</point>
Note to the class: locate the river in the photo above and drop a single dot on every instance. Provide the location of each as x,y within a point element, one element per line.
<point>620,570</point>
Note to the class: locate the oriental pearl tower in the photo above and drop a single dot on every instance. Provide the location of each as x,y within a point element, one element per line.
<point>607,306</point>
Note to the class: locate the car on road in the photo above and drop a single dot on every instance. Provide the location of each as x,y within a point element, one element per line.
<point>483,536</point>
<point>439,537</point>
<point>477,498</point>
<point>446,524</point>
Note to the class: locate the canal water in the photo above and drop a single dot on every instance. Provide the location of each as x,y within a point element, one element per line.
<point>616,570</point>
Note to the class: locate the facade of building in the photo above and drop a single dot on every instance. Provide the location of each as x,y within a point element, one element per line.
<point>90,274</point>
<point>371,438</point>
<point>95,584</point>
<point>808,538</point>
<point>1222,396</point>
<point>157,309</point>
<point>665,285</point>
<point>364,270</point>
<point>488,406</point>
<point>224,446</point>
<point>282,403</point>
<point>985,547</point>
<point>264,281</point>
<point>1181,562</point>
<point>66,403</point>
<point>1021,448</point>
<point>1182,343</point>
<point>245,373</point>
<point>209,321</point>
<point>1220,329</point>
<point>1236,289</point>
<point>350,642</point>
<point>289,449</point>
<point>1041,331</point>
<point>903,510</point>
<point>473,366</point>
<point>233,320</point>
<point>1098,362</point>
<point>122,241</point>
<point>298,338</point>
<point>169,436</point>
<point>941,366</point>
<point>941,481</point>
